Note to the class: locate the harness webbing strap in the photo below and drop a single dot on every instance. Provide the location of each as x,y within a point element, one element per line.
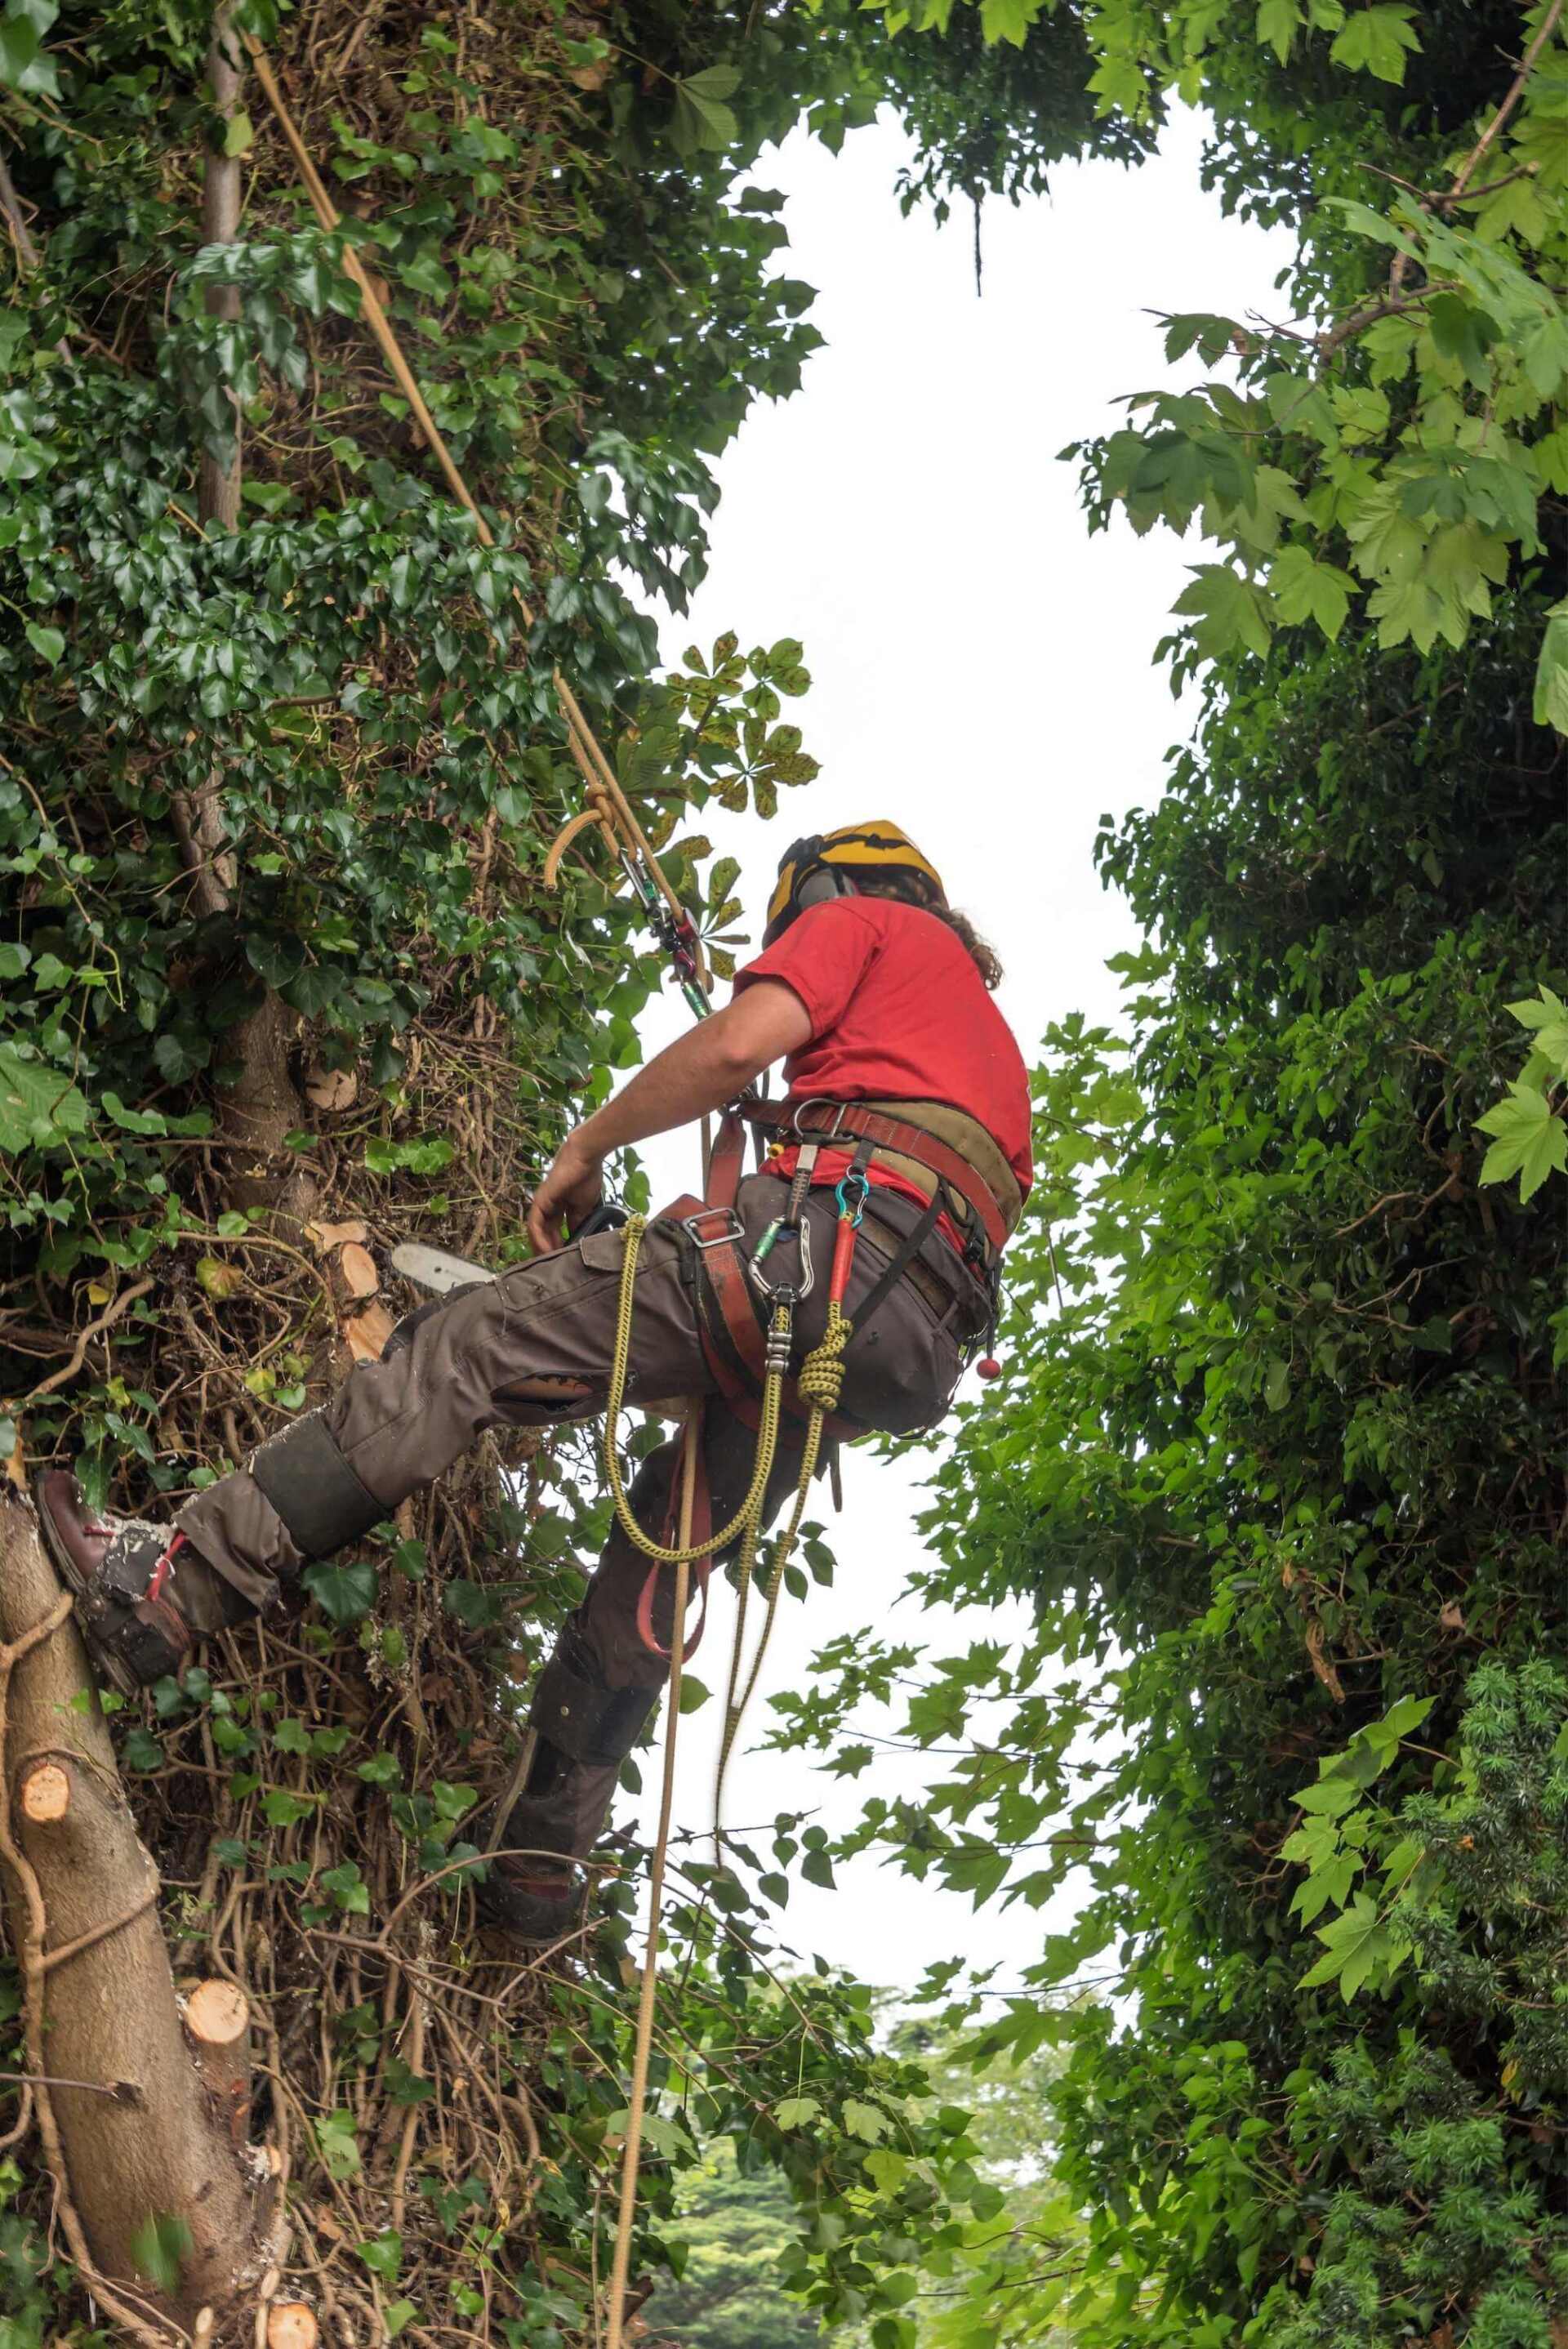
<point>899,1263</point>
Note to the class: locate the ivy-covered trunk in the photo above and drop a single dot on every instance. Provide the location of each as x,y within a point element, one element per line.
<point>284,984</point>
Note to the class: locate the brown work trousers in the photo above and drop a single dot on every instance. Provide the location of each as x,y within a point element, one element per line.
<point>401,1421</point>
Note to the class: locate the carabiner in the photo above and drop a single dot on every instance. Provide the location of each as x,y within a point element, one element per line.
<point>863,1188</point>
<point>782,1292</point>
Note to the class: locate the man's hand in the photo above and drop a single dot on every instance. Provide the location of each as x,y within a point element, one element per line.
<point>570,1191</point>
<point>697,1073</point>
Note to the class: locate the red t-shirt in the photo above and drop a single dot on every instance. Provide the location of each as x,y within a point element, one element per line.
<point>898,1013</point>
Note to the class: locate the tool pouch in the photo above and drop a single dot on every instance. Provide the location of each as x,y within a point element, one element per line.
<point>313,1490</point>
<point>584,1721</point>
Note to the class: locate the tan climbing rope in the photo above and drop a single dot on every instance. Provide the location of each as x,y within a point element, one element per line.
<point>636,2102</point>
<point>608,807</point>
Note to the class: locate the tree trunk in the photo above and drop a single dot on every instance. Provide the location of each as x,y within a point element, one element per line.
<point>262,1106</point>
<point>133,2132</point>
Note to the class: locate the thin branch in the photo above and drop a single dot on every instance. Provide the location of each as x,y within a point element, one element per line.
<point>105,1321</point>
<point>1516,91</point>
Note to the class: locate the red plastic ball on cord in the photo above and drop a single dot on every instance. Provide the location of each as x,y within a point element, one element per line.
<point>989,1368</point>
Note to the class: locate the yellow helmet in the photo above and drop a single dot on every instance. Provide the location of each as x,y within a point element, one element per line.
<point>830,864</point>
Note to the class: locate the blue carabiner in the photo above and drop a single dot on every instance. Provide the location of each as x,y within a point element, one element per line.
<point>864,1190</point>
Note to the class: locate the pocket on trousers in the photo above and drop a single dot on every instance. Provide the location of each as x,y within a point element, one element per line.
<point>604,1251</point>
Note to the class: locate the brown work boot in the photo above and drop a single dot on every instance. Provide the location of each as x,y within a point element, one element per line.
<point>143,1596</point>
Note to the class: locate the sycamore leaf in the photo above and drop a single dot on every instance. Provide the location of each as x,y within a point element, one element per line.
<point>1552,671</point>
<point>1353,1944</point>
<point>1007,20</point>
<point>1228,611</point>
<point>1305,589</point>
<point>1531,1140</point>
<point>794,2112</point>
<point>1375,41</point>
<point>866,2121</point>
<point>1278,23</point>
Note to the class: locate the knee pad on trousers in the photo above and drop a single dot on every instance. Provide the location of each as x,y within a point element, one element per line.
<point>583,1719</point>
<point>313,1490</point>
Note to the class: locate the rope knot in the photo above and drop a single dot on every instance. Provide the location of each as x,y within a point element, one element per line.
<point>821,1377</point>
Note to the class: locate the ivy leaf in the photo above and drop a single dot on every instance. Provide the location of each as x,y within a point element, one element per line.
<point>284,1809</point>
<point>384,2255</point>
<point>477,1608</point>
<point>38,1106</point>
<point>47,642</point>
<point>140,1751</point>
<point>337,2145</point>
<point>179,1054</point>
<point>346,1593</point>
<point>23,65</point>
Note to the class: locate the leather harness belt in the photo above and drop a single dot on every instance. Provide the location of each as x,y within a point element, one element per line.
<point>827,1121</point>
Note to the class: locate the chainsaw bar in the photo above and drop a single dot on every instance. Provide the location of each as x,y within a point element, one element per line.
<point>435,1269</point>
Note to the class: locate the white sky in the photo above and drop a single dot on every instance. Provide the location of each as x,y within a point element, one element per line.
<point>982,674</point>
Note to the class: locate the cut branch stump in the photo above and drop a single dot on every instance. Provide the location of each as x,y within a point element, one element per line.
<point>100,2003</point>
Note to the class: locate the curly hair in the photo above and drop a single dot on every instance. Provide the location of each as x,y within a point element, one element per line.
<point>982,955</point>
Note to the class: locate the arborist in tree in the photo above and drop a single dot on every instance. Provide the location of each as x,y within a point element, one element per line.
<point>899,1155</point>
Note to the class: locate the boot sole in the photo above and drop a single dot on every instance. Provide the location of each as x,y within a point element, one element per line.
<point>71,1574</point>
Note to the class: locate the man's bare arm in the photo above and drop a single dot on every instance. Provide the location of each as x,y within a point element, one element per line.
<point>699,1073</point>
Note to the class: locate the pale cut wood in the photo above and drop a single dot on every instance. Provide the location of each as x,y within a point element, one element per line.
<point>291,2325</point>
<point>46,1794</point>
<point>357,1266</point>
<point>217,2025</point>
<point>332,1088</point>
<point>324,1236</point>
<point>365,1333</point>
<point>217,2012</point>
